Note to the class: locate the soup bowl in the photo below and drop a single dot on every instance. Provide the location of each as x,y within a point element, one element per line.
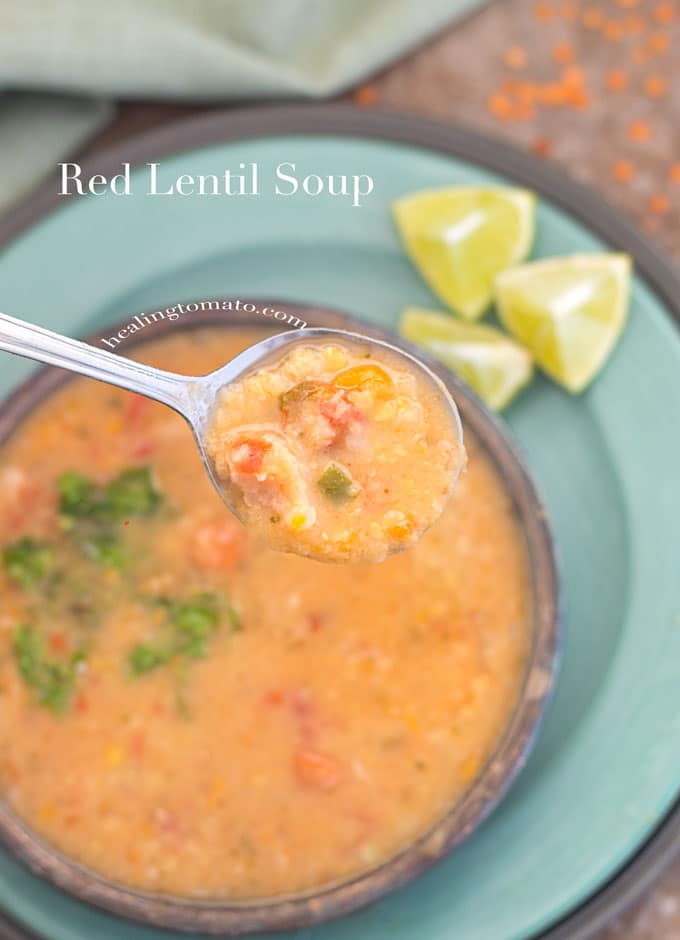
<point>225,916</point>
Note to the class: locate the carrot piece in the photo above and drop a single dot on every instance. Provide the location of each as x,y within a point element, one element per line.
<point>674,173</point>
<point>316,770</point>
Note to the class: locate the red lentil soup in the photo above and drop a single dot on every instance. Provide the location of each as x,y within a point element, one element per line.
<point>183,711</point>
<point>337,451</point>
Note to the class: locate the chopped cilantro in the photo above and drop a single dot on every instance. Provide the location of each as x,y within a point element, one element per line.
<point>89,512</point>
<point>28,561</point>
<point>52,681</point>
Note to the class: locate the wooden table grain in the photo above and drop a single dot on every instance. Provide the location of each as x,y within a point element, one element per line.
<point>453,78</point>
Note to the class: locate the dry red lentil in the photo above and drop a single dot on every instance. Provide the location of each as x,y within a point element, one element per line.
<point>658,43</point>
<point>563,53</point>
<point>515,57</point>
<point>542,147</point>
<point>569,11</point>
<point>635,24</point>
<point>655,86</point>
<point>623,170</point>
<point>665,13</point>
<point>544,11</point>
<point>593,18</point>
<point>639,130</point>
<point>659,204</point>
<point>616,80</point>
<point>614,31</point>
<point>366,96</point>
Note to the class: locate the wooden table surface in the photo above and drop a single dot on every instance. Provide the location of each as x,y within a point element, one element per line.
<point>594,86</point>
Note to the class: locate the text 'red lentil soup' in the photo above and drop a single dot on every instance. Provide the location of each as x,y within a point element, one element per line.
<point>184,712</point>
<point>342,452</point>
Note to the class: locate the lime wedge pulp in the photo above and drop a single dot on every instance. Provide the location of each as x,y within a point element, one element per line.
<point>460,238</point>
<point>569,312</point>
<point>489,361</point>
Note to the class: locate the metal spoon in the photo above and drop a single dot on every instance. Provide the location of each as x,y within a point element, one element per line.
<point>193,397</point>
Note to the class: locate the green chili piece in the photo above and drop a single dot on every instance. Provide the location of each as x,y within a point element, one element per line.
<point>336,484</point>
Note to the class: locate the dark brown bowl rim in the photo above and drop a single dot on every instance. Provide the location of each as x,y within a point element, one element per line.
<point>314,907</point>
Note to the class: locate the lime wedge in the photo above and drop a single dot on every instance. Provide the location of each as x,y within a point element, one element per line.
<point>460,238</point>
<point>489,361</point>
<point>569,312</point>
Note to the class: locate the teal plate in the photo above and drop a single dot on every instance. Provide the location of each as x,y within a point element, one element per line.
<point>606,769</point>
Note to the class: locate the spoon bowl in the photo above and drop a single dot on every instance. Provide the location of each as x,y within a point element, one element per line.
<point>195,397</point>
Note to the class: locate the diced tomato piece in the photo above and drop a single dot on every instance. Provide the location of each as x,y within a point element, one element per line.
<point>143,448</point>
<point>217,545</point>
<point>247,455</point>
<point>316,770</point>
<point>82,704</point>
<point>58,643</point>
<point>339,412</point>
<point>314,622</point>
<point>135,408</point>
<point>138,744</point>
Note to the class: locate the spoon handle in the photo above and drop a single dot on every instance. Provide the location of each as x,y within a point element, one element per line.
<point>35,342</point>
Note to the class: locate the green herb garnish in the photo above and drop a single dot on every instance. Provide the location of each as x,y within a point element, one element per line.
<point>89,512</point>
<point>131,493</point>
<point>336,484</point>
<point>77,496</point>
<point>104,548</point>
<point>144,658</point>
<point>28,561</point>
<point>187,632</point>
<point>194,623</point>
<point>52,681</point>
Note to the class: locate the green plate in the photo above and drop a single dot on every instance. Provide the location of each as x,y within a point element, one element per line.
<point>606,769</point>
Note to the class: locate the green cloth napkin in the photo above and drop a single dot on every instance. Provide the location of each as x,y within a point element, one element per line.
<point>182,49</point>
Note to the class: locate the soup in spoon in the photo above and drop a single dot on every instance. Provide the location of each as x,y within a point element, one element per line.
<point>337,450</point>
